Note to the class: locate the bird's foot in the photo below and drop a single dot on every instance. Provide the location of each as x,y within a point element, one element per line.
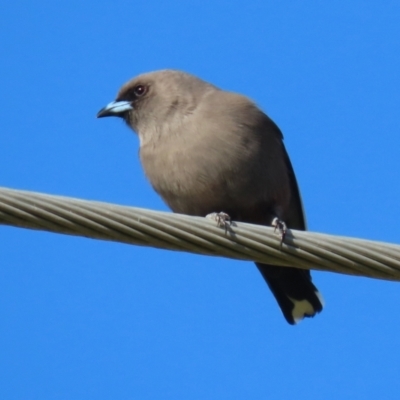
<point>279,225</point>
<point>222,219</point>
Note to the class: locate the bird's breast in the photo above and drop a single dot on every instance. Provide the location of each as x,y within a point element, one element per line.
<point>188,181</point>
<point>198,176</point>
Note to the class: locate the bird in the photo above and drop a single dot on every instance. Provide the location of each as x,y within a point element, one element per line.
<point>207,150</point>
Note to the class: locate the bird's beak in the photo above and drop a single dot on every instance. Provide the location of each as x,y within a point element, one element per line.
<point>115,109</point>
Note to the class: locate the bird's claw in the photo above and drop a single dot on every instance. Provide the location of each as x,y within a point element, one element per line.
<point>222,219</point>
<point>279,225</point>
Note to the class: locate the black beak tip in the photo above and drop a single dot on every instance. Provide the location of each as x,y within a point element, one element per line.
<point>103,113</point>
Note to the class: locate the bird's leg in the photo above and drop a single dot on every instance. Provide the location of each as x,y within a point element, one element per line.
<point>281,226</point>
<point>222,219</point>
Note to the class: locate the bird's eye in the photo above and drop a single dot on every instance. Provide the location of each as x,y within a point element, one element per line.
<point>139,90</point>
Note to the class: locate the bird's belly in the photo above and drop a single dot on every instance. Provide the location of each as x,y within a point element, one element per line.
<point>188,189</point>
<point>192,183</point>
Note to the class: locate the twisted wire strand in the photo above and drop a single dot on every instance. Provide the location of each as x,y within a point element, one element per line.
<point>198,235</point>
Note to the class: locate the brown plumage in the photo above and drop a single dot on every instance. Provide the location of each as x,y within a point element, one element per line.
<point>206,150</point>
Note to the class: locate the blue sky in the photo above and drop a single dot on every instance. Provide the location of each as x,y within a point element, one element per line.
<point>83,319</point>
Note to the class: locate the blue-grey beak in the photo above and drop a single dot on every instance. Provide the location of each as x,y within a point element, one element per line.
<point>115,109</point>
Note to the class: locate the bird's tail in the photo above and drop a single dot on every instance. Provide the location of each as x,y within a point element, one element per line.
<point>293,290</point>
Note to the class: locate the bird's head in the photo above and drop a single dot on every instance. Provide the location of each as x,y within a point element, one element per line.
<point>152,100</point>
